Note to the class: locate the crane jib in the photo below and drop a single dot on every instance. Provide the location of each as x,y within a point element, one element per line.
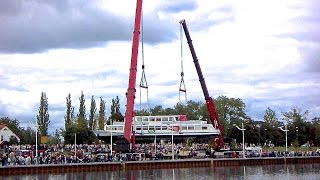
<point>129,114</point>
<point>209,101</point>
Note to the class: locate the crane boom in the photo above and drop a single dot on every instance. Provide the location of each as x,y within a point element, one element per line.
<point>129,114</point>
<point>209,101</point>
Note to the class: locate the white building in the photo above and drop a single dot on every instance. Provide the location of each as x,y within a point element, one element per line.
<point>6,133</point>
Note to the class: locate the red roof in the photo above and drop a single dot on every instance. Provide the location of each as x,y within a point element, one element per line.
<point>2,126</point>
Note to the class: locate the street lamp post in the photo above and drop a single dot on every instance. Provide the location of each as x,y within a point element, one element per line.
<point>259,134</point>
<point>75,146</point>
<point>297,135</point>
<point>155,142</point>
<point>286,132</point>
<point>265,136</point>
<point>243,146</point>
<point>36,126</point>
<point>111,141</point>
<point>172,147</point>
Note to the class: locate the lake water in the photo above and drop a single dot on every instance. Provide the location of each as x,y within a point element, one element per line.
<point>281,172</point>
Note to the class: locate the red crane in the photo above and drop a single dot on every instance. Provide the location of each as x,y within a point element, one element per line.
<point>130,94</point>
<point>209,101</point>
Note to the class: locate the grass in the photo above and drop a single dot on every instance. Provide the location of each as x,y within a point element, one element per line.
<point>291,148</point>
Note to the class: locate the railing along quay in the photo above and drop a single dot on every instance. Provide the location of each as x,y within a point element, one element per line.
<point>152,164</point>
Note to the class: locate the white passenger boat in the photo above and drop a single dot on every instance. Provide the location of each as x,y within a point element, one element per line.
<point>162,126</point>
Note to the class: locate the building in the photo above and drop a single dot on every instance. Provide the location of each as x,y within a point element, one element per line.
<point>6,134</point>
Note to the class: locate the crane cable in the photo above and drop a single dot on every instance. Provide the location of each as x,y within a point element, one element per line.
<point>143,81</point>
<point>182,87</point>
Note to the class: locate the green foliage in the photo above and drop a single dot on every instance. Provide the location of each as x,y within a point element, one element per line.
<point>233,145</point>
<point>13,140</point>
<point>69,117</point>
<point>83,135</point>
<point>13,125</point>
<point>316,130</point>
<point>295,116</point>
<point>157,110</point>
<point>55,139</point>
<point>142,112</point>
<point>115,114</point>
<point>295,143</point>
<point>92,114</point>
<point>101,118</point>
<point>27,136</point>
<point>43,115</point>
<point>82,121</point>
<point>189,142</point>
<point>230,111</point>
<point>270,117</point>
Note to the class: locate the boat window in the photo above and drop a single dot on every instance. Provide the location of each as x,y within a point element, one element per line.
<point>164,118</point>
<point>151,119</point>
<point>158,127</point>
<point>145,118</point>
<point>138,128</point>
<point>184,128</point>
<point>164,127</point>
<point>151,127</point>
<point>119,128</point>
<point>197,127</point>
<point>139,119</point>
<point>145,127</point>
<point>158,118</point>
<point>204,127</point>
<point>190,127</point>
<point>171,118</point>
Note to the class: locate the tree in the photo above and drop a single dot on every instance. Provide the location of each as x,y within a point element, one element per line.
<point>55,139</point>
<point>230,111</point>
<point>84,135</point>
<point>115,114</point>
<point>81,117</point>
<point>27,136</point>
<point>295,116</point>
<point>13,140</point>
<point>157,110</point>
<point>93,109</point>
<point>101,118</point>
<point>270,117</point>
<point>43,115</point>
<point>142,112</point>
<point>69,117</point>
<point>316,127</point>
<point>298,126</point>
<point>13,125</point>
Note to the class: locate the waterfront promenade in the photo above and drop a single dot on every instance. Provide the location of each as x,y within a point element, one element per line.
<point>24,155</point>
<point>152,164</point>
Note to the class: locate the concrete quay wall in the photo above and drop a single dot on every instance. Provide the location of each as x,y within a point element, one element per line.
<point>142,165</point>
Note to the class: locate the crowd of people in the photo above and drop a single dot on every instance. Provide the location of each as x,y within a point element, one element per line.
<point>85,153</point>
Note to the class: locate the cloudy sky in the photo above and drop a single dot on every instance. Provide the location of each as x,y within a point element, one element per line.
<point>265,52</point>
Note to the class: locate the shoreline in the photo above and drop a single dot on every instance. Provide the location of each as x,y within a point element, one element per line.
<point>152,164</point>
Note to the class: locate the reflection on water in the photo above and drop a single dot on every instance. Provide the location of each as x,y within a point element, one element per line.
<point>281,172</point>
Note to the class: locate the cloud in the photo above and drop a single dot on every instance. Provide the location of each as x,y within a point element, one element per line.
<point>178,6</point>
<point>3,109</point>
<point>61,47</point>
<point>37,26</point>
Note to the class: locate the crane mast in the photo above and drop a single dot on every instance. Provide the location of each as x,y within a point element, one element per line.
<point>130,94</point>
<point>209,101</point>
